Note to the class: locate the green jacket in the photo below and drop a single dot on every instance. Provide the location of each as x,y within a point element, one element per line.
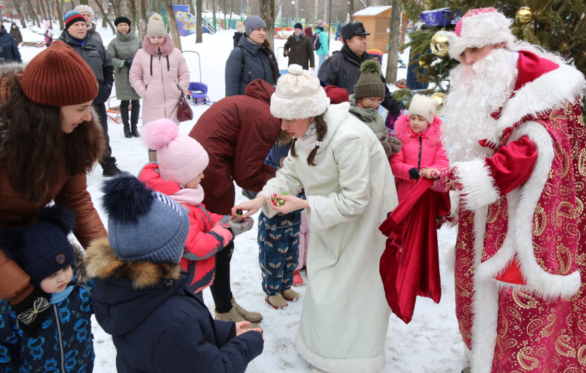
<point>369,117</point>
<point>323,39</point>
<point>124,47</point>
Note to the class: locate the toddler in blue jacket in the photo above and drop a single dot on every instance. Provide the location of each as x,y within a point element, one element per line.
<point>55,335</point>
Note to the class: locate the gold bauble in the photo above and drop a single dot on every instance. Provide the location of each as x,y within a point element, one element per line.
<point>440,45</point>
<point>440,97</point>
<point>564,47</point>
<point>424,61</point>
<point>524,15</point>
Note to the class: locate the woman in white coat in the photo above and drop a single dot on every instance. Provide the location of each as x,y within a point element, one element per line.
<point>350,189</point>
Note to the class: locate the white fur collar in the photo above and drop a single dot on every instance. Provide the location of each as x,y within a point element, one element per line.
<point>333,117</point>
<point>549,91</point>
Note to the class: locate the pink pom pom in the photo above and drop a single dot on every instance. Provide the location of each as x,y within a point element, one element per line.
<point>159,133</point>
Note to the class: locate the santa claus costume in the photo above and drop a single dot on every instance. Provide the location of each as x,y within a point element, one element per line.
<point>517,145</point>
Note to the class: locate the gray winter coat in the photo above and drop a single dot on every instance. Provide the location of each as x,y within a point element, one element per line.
<point>256,66</point>
<point>99,60</point>
<point>124,47</point>
<point>343,70</point>
<point>91,31</point>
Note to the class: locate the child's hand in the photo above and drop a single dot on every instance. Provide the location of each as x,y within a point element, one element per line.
<point>251,207</point>
<point>292,203</point>
<point>243,324</point>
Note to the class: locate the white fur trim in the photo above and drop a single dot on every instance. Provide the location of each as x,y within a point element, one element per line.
<point>353,365</point>
<point>478,187</point>
<point>454,207</point>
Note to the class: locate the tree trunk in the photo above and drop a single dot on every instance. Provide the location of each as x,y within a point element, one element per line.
<point>59,6</point>
<point>199,23</point>
<point>267,13</point>
<point>132,9</point>
<point>40,11</point>
<point>34,14</point>
<point>350,9</point>
<point>50,9</point>
<point>18,6</point>
<point>394,41</point>
<point>106,19</point>
<point>172,23</point>
<point>142,18</point>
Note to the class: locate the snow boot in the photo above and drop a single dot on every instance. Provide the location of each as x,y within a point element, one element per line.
<point>134,115</point>
<point>124,115</point>
<point>235,316</point>
<point>127,132</point>
<point>276,301</point>
<point>291,295</point>
<point>248,316</point>
<point>134,131</point>
<point>297,279</point>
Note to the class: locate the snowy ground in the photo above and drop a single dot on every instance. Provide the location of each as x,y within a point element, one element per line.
<point>430,343</point>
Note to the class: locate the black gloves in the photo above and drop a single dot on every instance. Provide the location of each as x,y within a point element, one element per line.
<point>414,174</point>
<point>32,310</point>
<point>128,63</point>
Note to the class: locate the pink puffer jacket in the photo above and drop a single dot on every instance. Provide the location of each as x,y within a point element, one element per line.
<point>158,79</point>
<point>420,150</point>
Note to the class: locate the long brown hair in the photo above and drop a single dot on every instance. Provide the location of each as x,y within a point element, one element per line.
<point>272,61</point>
<point>321,129</point>
<point>35,153</point>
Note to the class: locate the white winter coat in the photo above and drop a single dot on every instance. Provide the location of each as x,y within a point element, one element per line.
<point>350,191</point>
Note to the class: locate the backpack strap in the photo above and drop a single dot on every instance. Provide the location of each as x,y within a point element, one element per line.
<point>242,59</point>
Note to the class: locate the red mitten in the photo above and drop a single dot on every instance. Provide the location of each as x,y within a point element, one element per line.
<point>446,180</point>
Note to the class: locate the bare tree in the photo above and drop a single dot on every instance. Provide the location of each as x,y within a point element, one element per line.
<point>172,23</point>
<point>267,13</point>
<point>199,23</point>
<point>59,5</point>
<point>132,10</point>
<point>394,41</point>
<point>33,13</point>
<point>19,11</point>
<point>106,19</point>
<point>142,18</point>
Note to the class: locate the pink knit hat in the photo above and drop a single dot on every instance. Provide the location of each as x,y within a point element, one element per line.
<point>180,157</point>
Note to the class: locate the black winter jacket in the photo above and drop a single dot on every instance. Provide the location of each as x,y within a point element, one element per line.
<point>99,60</point>
<point>342,69</point>
<point>256,66</point>
<point>8,48</point>
<point>165,328</point>
<point>237,36</point>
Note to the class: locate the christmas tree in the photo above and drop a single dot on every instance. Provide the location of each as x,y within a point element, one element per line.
<point>558,26</point>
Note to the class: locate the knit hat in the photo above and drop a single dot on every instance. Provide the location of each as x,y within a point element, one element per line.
<point>43,248</point>
<point>299,26</point>
<point>72,17</point>
<point>369,84</point>
<point>337,95</point>
<point>321,23</point>
<point>58,76</point>
<point>143,225</point>
<point>85,8</point>
<point>156,27</point>
<point>240,26</point>
<point>47,24</point>
<point>119,20</point>
<point>180,157</point>
<point>298,95</point>
<point>252,23</point>
<point>424,106</point>
<point>479,28</point>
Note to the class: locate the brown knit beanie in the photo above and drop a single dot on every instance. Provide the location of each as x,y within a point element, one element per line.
<point>58,76</point>
<point>369,84</point>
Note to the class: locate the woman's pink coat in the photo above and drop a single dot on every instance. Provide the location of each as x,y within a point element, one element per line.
<point>161,90</point>
<point>433,154</point>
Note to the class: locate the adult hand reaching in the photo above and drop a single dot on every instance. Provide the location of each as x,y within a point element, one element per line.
<point>292,203</point>
<point>251,207</point>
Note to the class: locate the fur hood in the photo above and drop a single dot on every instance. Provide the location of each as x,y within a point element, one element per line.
<point>8,69</point>
<point>404,132</point>
<point>166,49</point>
<point>101,262</point>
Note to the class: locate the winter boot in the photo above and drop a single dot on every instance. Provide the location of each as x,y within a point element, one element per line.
<point>127,132</point>
<point>110,170</point>
<point>235,316</point>
<point>276,301</point>
<point>248,316</point>
<point>291,295</point>
<point>297,279</point>
<point>124,115</point>
<point>134,115</point>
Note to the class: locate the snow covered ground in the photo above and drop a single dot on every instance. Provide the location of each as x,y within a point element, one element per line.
<point>430,343</point>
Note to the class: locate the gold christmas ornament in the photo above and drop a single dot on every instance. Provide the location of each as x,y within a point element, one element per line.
<point>440,97</point>
<point>440,45</point>
<point>564,47</point>
<point>424,61</point>
<point>524,15</point>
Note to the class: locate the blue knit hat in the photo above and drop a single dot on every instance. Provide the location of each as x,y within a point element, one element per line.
<point>72,17</point>
<point>43,248</point>
<point>143,225</point>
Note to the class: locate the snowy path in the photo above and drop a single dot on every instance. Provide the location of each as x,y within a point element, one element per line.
<point>430,343</point>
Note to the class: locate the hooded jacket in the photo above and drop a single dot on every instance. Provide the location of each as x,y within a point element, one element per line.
<point>342,69</point>
<point>159,326</point>
<point>420,150</point>
<point>256,60</point>
<point>158,75</point>
<point>300,51</point>
<point>237,133</point>
<point>15,32</point>
<point>98,58</point>
<point>8,48</point>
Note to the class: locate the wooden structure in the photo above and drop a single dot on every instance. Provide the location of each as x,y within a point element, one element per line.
<point>377,21</point>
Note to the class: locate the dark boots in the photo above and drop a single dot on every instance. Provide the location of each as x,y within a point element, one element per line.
<point>134,115</point>
<point>124,115</point>
<point>130,128</point>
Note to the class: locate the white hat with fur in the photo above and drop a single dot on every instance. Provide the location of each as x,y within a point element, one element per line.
<point>298,95</point>
<point>479,28</point>
<point>424,106</point>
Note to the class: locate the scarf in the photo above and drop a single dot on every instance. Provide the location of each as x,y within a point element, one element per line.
<point>59,297</point>
<point>189,196</point>
<point>352,56</point>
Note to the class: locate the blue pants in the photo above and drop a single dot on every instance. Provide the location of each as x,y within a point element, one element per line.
<point>322,59</point>
<point>278,240</point>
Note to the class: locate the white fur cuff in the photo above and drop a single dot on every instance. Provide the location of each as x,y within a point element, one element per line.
<point>478,187</point>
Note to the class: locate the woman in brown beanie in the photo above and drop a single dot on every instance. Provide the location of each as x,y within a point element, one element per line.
<point>49,140</point>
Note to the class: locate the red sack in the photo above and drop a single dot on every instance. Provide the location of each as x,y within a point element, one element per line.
<point>410,264</point>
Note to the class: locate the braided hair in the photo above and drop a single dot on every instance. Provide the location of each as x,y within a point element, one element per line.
<point>321,129</point>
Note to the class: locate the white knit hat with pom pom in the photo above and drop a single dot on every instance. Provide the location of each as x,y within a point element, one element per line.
<point>156,26</point>
<point>298,95</point>
<point>180,157</point>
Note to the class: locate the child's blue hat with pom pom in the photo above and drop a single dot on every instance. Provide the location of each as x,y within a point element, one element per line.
<point>143,225</point>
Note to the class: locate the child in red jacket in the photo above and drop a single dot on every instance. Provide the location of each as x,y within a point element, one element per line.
<point>422,153</point>
<point>177,174</point>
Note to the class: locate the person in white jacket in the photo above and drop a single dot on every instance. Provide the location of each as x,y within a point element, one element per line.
<point>350,189</point>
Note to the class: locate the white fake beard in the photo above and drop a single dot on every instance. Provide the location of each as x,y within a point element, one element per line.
<point>475,92</point>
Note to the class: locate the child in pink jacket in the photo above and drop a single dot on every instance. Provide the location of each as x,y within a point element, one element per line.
<point>420,132</point>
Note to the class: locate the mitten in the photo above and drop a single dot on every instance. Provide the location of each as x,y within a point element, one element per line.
<point>240,226</point>
<point>32,310</point>
<point>429,173</point>
<point>387,147</point>
<point>396,145</point>
<point>127,63</point>
<point>414,174</point>
<point>446,180</point>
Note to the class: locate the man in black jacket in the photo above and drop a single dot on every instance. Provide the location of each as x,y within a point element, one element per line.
<point>342,69</point>
<point>99,60</point>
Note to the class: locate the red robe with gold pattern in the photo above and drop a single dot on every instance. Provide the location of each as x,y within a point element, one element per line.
<point>520,251</point>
